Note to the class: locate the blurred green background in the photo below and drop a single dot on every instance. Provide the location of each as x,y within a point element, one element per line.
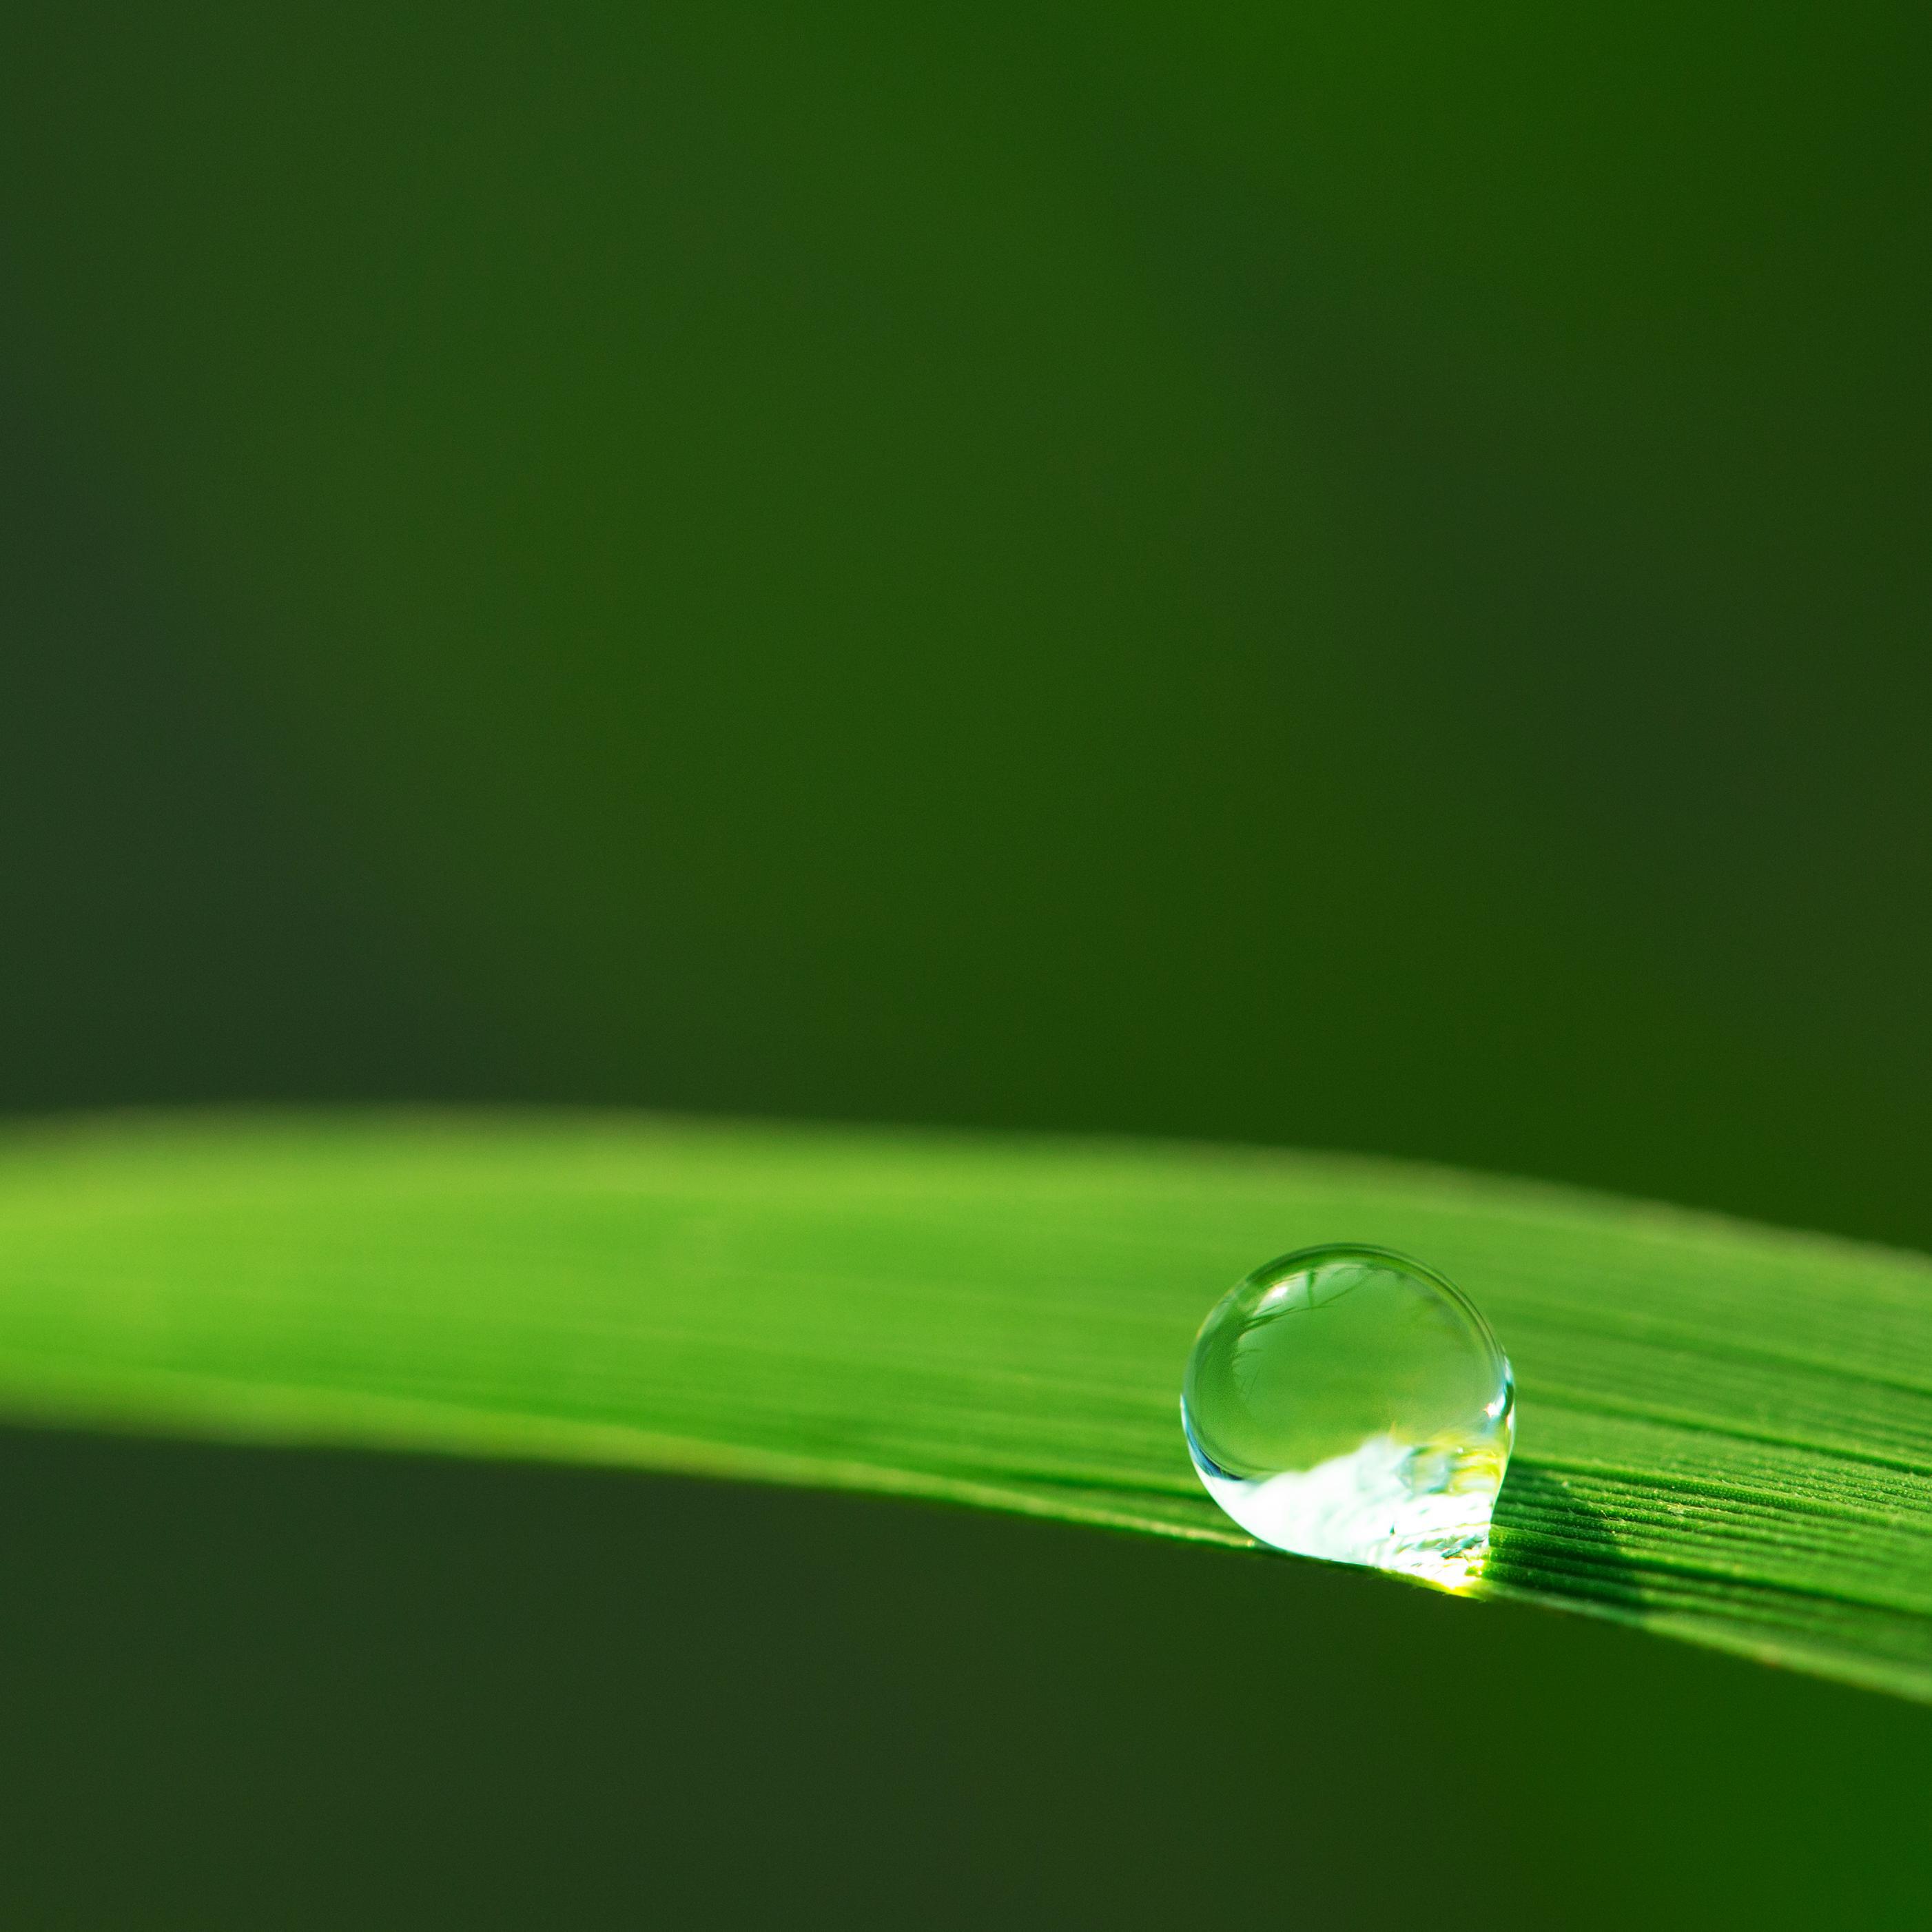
<point>1356,578</point>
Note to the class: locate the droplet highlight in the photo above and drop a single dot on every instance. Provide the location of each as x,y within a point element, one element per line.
<point>1347,1402</point>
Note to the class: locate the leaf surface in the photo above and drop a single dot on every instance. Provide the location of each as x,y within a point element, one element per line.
<point>1726,1431</point>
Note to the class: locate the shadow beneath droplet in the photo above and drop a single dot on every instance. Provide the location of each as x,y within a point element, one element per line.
<point>1547,1540</point>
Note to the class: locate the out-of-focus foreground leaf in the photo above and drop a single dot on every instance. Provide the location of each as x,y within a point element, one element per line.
<point>1726,1431</point>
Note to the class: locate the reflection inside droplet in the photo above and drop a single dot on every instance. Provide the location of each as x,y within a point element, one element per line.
<point>1346,1402</point>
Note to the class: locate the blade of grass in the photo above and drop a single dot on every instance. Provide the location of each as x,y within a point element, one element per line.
<point>1726,1431</point>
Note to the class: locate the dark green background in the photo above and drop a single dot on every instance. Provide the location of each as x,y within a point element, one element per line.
<point>1354,577</point>
<point>319,1692</point>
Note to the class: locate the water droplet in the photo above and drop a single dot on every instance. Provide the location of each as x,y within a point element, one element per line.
<point>1347,1402</point>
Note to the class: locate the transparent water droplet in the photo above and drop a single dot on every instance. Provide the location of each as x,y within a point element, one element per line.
<point>1347,1402</point>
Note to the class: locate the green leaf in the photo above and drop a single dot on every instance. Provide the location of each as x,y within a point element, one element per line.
<point>1726,1431</point>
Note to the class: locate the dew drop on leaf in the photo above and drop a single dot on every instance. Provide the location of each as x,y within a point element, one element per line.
<point>1344,1402</point>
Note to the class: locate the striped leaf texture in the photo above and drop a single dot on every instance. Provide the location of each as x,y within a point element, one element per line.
<point>1726,1431</point>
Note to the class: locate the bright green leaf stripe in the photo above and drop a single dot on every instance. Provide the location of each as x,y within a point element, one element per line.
<point>1726,1432</point>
